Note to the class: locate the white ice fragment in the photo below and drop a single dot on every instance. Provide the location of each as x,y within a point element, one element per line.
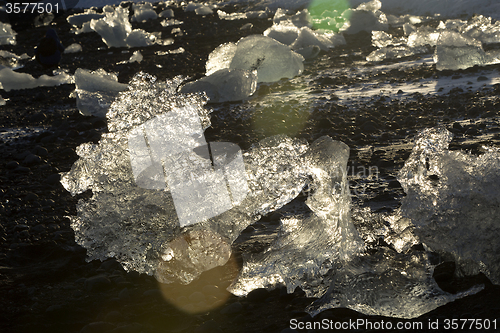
<point>382,39</point>
<point>78,20</point>
<point>272,60</point>
<point>366,17</point>
<point>136,57</point>
<point>423,36</point>
<point>220,58</point>
<point>198,8</point>
<point>283,33</point>
<point>167,13</point>
<point>7,34</point>
<point>10,59</point>
<point>457,51</point>
<point>308,37</point>
<point>12,80</point>
<point>408,28</point>
<point>225,85</point>
<point>395,52</point>
<point>230,17</point>
<point>169,22</point>
<point>203,10</point>
<point>95,91</point>
<point>2,101</point>
<point>298,19</point>
<point>143,12</point>
<point>467,187</point>
<point>73,48</point>
<point>116,30</point>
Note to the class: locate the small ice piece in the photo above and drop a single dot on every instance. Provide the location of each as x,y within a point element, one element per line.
<point>308,37</point>
<point>2,101</point>
<point>114,27</point>
<point>423,36</point>
<point>452,198</point>
<point>7,35</point>
<point>73,48</point>
<point>395,52</point>
<point>272,60</point>
<point>366,17</point>
<point>43,19</point>
<point>95,91</point>
<point>167,13</point>
<point>136,57</point>
<point>230,17</point>
<point>482,29</point>
<point>169,22</point>
<point>283,33</point>
<point>203,10</point>
<point>78,20</point>
<point>382,39</point>
<point>12,80</point>
<point>143,12</point>
<point>10,59</point>
<point>457,51</point>
<point>220,58</point>
<point>298,19</point>
<point>116,30</point>
<point>198,8</point>
<point>225,85</point>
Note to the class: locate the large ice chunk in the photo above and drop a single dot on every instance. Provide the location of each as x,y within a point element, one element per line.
<point>146,234</point>
<point>95,91</point>
<point>225,85</point>
<point>453,200</point>
<point>12,80</point>
<point>272,60</point>
<point>457,51</point>
<point>366,17</point>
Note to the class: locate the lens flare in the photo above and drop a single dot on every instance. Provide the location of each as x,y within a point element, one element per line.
<point>329,14</point>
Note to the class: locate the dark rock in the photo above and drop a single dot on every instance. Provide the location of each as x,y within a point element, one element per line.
<point>114,317</point>
<point>482,78</point>
<point>131,328</point>
<point>31,159</point>
<point>232,308</point>
<point>208,327</point>
<point>370,127</point>
<point>53,179</point>
<point>12,165</point>
<point>98,327</point>
<point>97,283</point>
<point>258,295</point>
<point>30,197</point>
<point>40,151</point>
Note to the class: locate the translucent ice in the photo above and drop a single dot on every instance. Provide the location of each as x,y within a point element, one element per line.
<point>143,12</point>
<point>73,48</point>
<point>423,36</point>
<point>453,200</point>
<point>12,80</point>
<point>95,91</point>
<point>140,226</point>
<point>457,51</point>
<point>225,85</point>
<point>7,34</point>
<point>395,52</point>
<point>79,19</point>
<point>366,17</point>
<point>12,60</point>
<point>272,60</point>
<point>116,30</point>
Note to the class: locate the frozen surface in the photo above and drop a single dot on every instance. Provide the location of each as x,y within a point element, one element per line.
<point>7,34</point>
<point>225,85</point>
<point>12,60</point>
<point>457,51</point>
<point>95,91</point>
<point>272,60</point>
<point>453,200</point>
<point>12,80</point>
